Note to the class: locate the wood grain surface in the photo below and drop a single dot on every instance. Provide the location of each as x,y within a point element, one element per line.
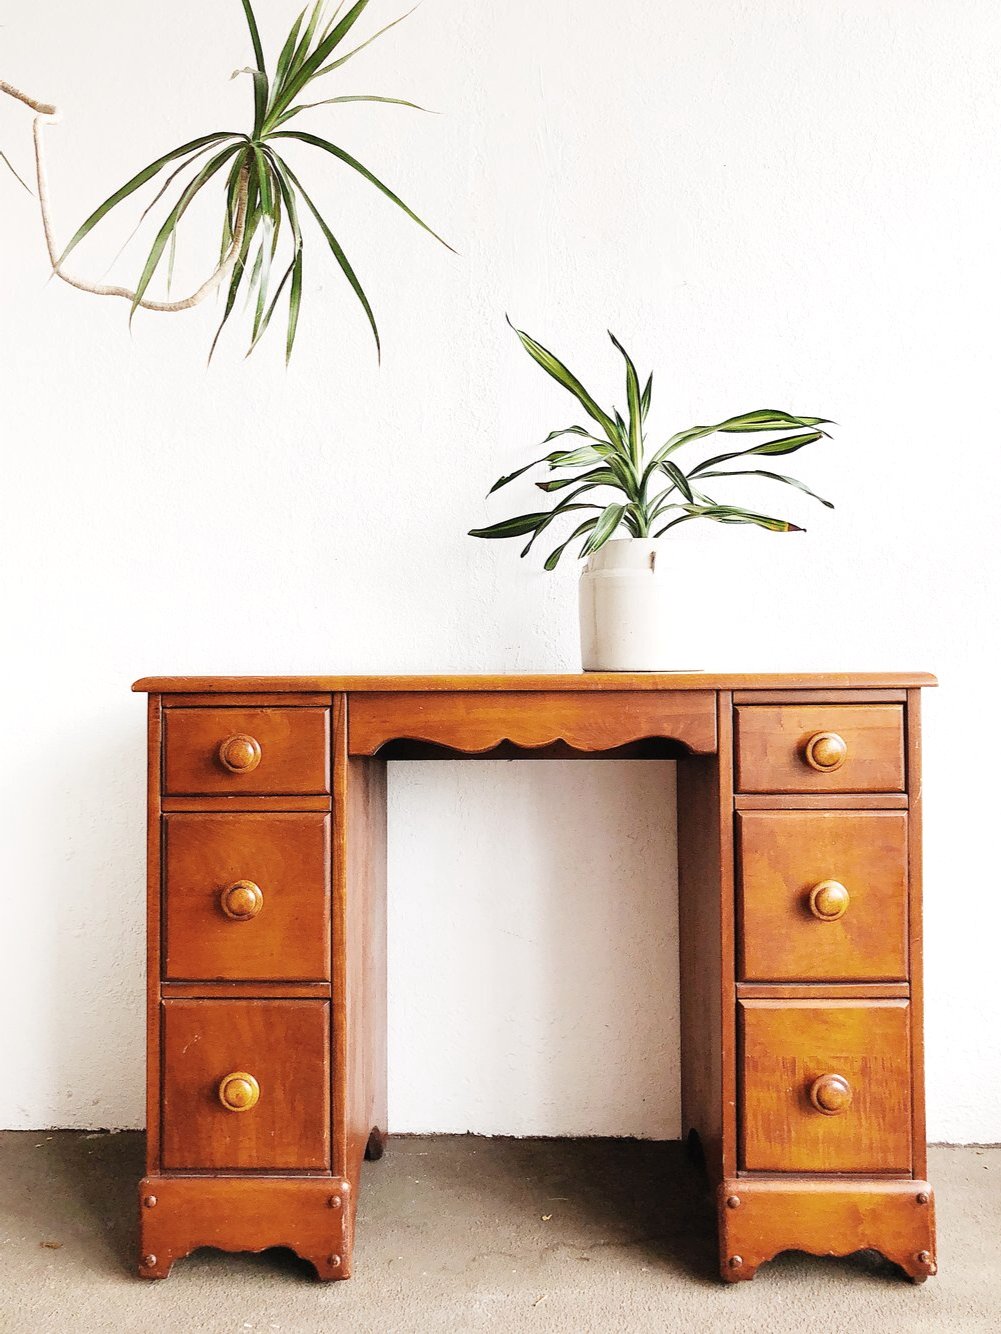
<point>783,856</point>
<point>786,1046</point>
<point>285,1046</point>
<point>287,856</point>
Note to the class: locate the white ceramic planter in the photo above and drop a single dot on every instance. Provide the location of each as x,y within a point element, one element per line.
<point>625,608</point>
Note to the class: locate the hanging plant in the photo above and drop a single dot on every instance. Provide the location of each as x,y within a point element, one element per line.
<point>264,201</point>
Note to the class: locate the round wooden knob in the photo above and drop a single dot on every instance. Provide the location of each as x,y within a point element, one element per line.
<point>831,1094</point>
<point>825,752</point>
<point>241,900</point>
<point>829,900</point>
<point>239,1091</point>
<point>240,754</point>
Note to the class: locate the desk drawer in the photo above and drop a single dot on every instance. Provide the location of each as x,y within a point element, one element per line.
<point>246,751</point>
<point>589,721</point>
<point>822,896</point>
<point>246,897</point>
<point>825,1086</point>
<point>820,748</point>
<point>246,1084</point>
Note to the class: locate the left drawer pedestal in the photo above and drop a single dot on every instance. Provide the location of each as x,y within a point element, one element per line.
<point>242,1144</point>
<point>310,1215</point>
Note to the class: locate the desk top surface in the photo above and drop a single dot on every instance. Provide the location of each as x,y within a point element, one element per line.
<point>580,681</point>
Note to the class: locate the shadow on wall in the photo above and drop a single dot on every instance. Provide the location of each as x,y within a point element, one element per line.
<point>90,1070</point>
<point>533,969</point>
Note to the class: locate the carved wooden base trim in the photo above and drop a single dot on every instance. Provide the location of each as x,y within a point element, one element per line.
<point>309,1215</point>
<point>760,1218</point>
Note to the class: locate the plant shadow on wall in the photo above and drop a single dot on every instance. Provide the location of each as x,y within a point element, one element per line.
<point>651,493</point>
<point>264,202</point>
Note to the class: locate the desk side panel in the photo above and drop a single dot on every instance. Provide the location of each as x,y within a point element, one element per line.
<point>153,931</point>
<point>916,933</point>
<point>360,892</point>
<point>705,864</point>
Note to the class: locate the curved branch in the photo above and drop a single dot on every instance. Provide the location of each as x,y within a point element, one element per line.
<point>40,108</point>
<point>45,114</point>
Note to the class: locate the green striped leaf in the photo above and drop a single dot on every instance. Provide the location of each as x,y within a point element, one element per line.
<point>255,36</point>
<point>294,301</point>
<point>679,479</point>
<point>240,265</point>
<point>305,137</point>
<point>608,521</point>
<point>647,395</point>
<point>137,181</point>
<point>555,368</point>
<point>260,74</point>
<point>769,419</point>
<point>516,527</point>
<point>548,458</point>
<point>355,97</point>
<point>173,218</point>
<point>293,273</point>
<point>634,399</point>
<point>774,477</point>
<point>565,507</point>
<point>788,445</point>
<point>336,64</point>
<point>285,56</point>
<point>299,55</point>
<point>337,252</point>
<point>577,458</point>
<point>600,477</point>
<point>553,559</point>
<point>735,514</point>
<point>310,66</point>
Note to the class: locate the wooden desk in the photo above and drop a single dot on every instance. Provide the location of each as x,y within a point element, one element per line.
<point>800,920</point>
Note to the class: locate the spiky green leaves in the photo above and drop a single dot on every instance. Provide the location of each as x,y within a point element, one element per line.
<point>260,186</point>
<point>618,463</point>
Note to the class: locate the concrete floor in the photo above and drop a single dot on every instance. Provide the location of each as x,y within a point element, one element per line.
<point>464,1234</point>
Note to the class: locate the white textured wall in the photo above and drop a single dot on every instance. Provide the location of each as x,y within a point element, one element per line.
<point>772,203</point>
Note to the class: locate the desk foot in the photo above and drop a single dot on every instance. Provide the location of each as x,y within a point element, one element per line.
<point>309,1215</point>
<point>694,1151</point>
<point>376,1145</point>
<point>760,1217</point>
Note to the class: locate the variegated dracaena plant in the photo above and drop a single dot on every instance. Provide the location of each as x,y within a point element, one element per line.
<point>653,492</point>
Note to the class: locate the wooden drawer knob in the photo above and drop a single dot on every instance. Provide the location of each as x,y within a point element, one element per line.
<point>240,754</point>
<point>829,900</point>
<point>825,752</point>
<point>241,900</point>
<point>239,1091</point>
<point>831,1094</point>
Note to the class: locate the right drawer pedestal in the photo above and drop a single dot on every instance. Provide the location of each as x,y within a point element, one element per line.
<point>829,1150</point>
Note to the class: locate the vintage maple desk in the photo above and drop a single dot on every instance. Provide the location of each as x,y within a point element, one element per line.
<point>800,920</point>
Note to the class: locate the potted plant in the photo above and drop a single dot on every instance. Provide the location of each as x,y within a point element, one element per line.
<point>632,498</point>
